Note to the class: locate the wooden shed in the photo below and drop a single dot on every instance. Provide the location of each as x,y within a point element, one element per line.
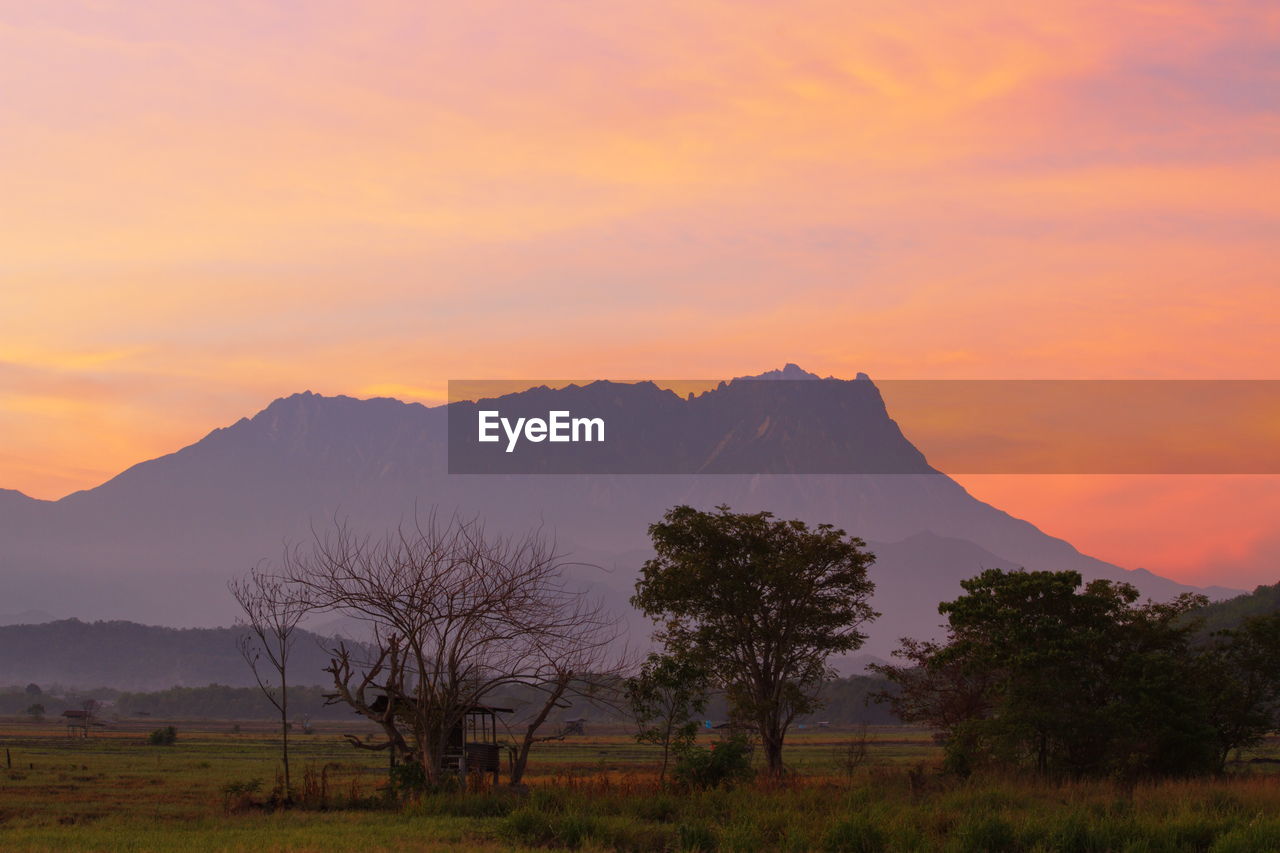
<point>473,744</point>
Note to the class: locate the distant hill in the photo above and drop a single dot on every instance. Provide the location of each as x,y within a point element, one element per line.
<point>26,617</point>
<point>1231,612</point>
<point>129,656</point>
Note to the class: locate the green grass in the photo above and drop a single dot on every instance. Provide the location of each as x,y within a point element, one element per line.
<point>113,792</point>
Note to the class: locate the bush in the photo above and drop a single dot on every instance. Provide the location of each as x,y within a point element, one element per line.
<point>695,837</point>
<point>1073,834</point>
<point>987,834</point>
<point>1263,835</point>
<point>660,808</point>
<point>855,835</point>
<point>167,736</point>
<point>529,826</point>
<point>237,796</point>
<point>727,762</point>
<point>469,805</point>
<point>540,829</point>
<point>408,778</point>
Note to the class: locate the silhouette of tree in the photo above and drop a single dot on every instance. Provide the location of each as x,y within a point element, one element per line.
<point>761,604</point>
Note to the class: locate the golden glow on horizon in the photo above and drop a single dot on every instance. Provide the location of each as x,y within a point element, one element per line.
<point>210,206</point>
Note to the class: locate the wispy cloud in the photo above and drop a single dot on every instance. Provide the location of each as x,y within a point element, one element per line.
<point>242,200</point>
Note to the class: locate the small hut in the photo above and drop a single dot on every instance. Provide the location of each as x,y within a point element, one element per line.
<point>78,722</point>
<point>473,743</point>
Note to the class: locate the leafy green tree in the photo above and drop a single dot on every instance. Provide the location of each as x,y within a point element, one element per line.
<point>725,764</point>
<point>761,604</point>
<point>664,698</point>
<point>940,690</point>
<point>1041,670</point>
<point>1242,673</point>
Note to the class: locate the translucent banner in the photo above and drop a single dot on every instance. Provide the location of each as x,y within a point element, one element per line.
<point>834,426</point>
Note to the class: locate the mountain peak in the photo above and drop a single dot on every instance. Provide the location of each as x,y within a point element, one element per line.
<point>11,500</point>
<point>790,370</point>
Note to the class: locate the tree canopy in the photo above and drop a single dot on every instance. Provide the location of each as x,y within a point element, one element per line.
<point>1042,670</point>
<point>761,604</point>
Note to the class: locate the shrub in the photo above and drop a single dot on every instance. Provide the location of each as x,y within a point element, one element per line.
<point>549,800</point>
<point>1262,835</point>
<point>529,826</point>
<point>237,796</point>
<point>167,736</point>
<point>572,829</point>
<point>989,834</point>
<point>636,838</point>
<point>727,762</point>
<point>408,778</point>
<point>540,829</point>
<point>695,837</point>
<point>658,809</point>
<point>1192,832</point>
<point>854,835</point>
<point>1073,834</point>
<point>469,805</point>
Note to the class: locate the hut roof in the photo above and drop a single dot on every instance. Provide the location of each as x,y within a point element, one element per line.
<point>380,704</point>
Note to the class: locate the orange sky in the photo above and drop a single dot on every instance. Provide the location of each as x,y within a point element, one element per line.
<point>206,206</point>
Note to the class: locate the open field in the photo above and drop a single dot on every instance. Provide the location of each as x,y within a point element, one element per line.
<point>112,791</point>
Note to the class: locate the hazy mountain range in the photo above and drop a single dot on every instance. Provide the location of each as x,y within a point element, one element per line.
<point>128,656</point>
<point>157,543</point>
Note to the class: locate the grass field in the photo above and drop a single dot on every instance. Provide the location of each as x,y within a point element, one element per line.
<point>113,791</point>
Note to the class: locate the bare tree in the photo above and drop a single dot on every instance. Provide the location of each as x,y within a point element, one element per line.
<point>853,754</point>
<point>577,662</point>
<point>272,610</point>
<point>455,613</point>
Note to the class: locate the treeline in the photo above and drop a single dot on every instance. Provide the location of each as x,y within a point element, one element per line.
<point>211,702</point>
<point>853,700</point>
<point>220,702</point>
<point>1042,671</point>
<point>36,701</point>
<point>846,701</point>
<point>1233,612</point>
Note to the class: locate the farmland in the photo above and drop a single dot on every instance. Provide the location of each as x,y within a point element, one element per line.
<point>114,791</point>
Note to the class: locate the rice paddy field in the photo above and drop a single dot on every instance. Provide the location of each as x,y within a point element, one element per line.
<point>113,791</point>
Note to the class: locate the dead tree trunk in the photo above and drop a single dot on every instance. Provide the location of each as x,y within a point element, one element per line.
<point>554,695</point>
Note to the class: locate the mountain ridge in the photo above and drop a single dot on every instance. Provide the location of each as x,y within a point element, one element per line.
<point>164,535</point>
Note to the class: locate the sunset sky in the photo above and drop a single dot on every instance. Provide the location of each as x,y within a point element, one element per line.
<point>207,206</point>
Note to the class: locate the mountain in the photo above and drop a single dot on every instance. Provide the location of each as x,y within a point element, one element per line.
<point>128,656</point>
<point>747,426</point>
<point>158,542</point>
<point>26,617</point>
<point>791,371</point>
